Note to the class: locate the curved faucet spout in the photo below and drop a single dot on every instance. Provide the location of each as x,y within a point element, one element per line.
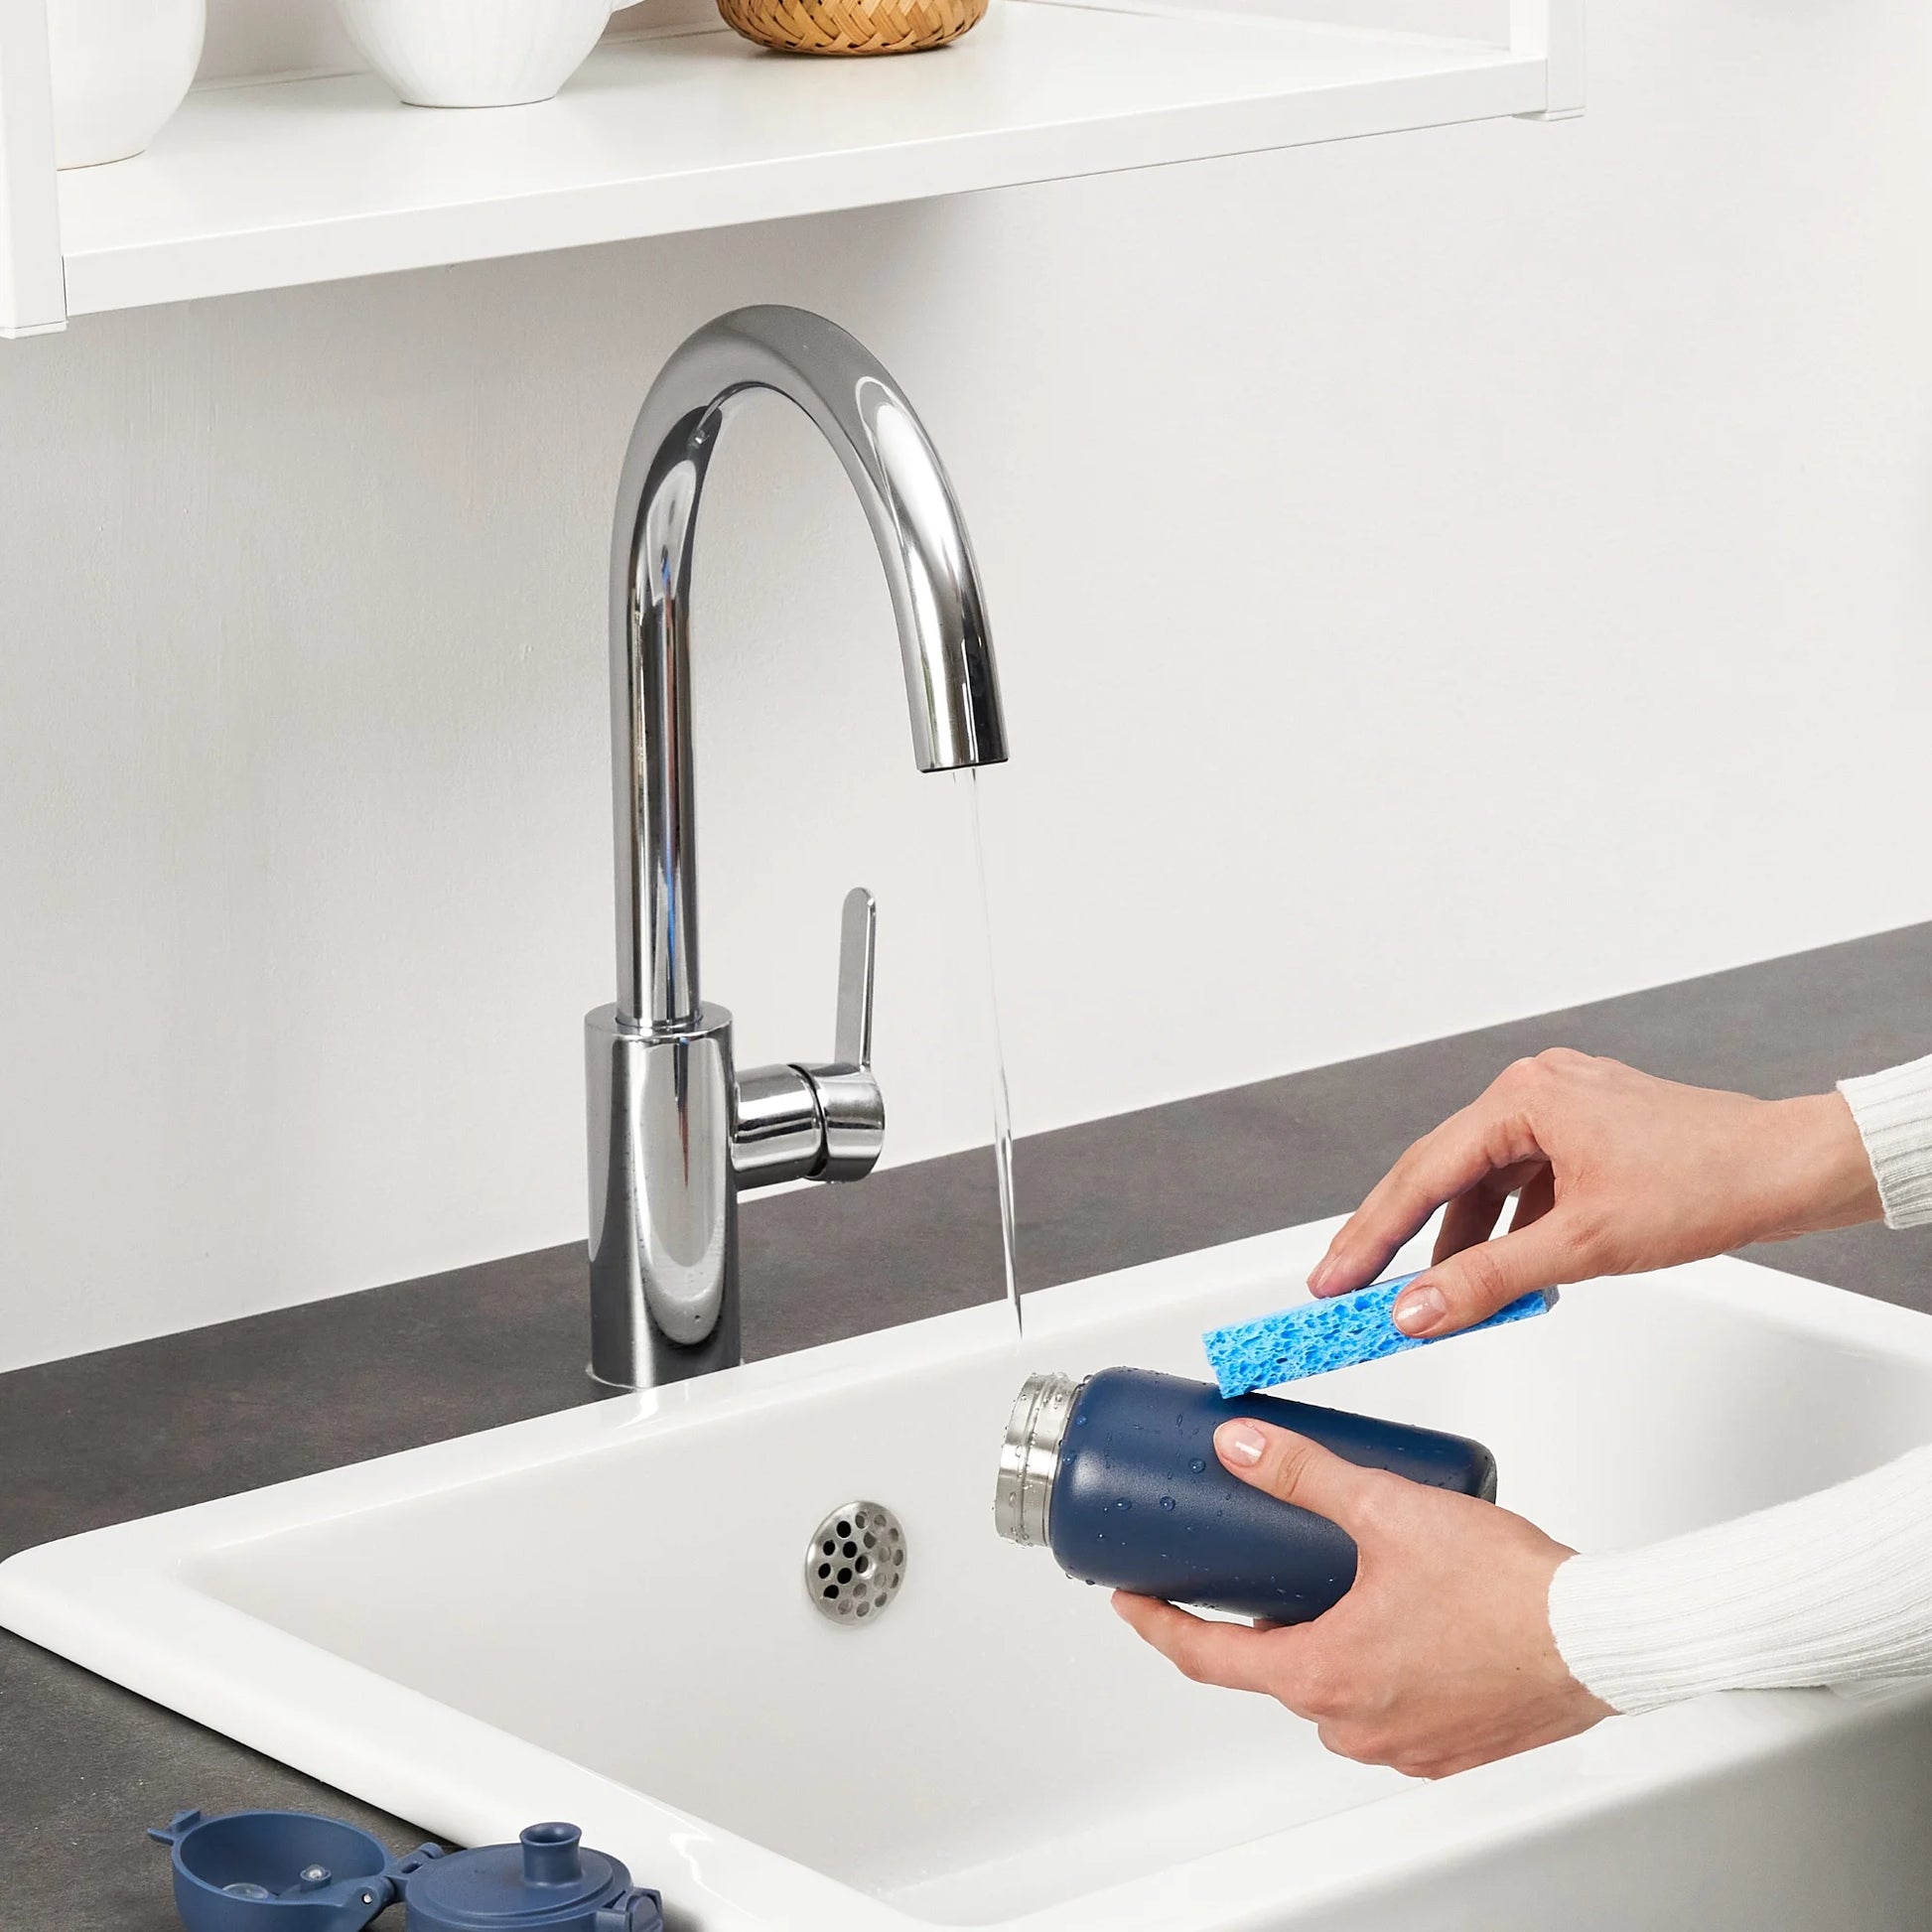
<point>951,684</point>
<point>676,1129</point>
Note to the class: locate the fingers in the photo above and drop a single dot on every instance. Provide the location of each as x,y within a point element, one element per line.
<point>1490,1134</point>
<point>1232,1655</point>
<point>1295,1470</point>
<point>1471,1217</point>
<point>1471,1286</point>
<point>1538,1197</point>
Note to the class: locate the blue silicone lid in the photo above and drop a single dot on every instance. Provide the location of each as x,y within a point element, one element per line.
<point>547,1879</point>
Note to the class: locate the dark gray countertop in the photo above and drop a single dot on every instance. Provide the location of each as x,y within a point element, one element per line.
<point>131,1430</point>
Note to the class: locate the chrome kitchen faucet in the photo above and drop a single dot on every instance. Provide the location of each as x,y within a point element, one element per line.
<point>675,1130</point>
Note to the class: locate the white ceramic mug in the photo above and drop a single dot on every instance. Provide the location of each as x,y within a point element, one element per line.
<point>120,67</point>
<point>475,53</point>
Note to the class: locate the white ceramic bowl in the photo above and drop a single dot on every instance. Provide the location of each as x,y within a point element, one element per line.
<point>475,53</point>
<point>120,69</point>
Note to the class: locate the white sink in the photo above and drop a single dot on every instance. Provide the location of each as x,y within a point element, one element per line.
<point>602,1616</point>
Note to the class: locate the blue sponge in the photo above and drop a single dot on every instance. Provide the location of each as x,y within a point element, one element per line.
<point>1315,1336</point>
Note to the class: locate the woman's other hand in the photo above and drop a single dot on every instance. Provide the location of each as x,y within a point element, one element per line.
<point>1615,1171</point>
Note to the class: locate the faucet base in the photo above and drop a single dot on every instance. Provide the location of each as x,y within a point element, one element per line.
<point>663,1240</point>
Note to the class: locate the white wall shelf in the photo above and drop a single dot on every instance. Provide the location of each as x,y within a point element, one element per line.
<point>276,183</point>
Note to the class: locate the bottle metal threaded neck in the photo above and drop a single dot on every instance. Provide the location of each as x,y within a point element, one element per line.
<point>1030,1456</point>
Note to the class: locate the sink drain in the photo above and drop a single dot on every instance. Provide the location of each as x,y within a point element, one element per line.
<point>856,1563</point>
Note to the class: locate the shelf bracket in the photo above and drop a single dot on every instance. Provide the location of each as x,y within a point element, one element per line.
<point>1551,31</point>
<point>33,281</point>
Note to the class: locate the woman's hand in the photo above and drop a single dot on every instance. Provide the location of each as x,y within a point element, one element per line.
<point>1439,1658</point>
<point>1618,1172</point>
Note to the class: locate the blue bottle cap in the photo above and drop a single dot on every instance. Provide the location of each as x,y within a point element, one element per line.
<point>280,1871</point>
<point>546,1879</point>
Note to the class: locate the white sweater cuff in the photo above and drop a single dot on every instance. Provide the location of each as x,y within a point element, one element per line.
<point>1832,1588</point>
<point>1893,1110</point>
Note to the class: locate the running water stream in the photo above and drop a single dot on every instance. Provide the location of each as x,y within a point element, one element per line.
<point>1001,1103</point>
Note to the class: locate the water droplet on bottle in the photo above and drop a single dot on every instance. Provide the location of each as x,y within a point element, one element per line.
<point>1122,1503</point>
<point>1166,1502</point>
<point>1081,1421</point>
<point>1197,1466</point>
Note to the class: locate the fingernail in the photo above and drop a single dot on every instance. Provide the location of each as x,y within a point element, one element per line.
<point>1323,1269</point>
<point>1240,1443</point>
<point>1418,1310</point>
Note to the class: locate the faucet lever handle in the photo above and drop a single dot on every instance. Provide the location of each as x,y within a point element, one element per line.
<point>851,1109</point>
<point>858,938</point>
<point>819,1120</point>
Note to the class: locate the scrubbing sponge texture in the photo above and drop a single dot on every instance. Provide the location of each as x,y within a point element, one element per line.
<point>1315,1336</point>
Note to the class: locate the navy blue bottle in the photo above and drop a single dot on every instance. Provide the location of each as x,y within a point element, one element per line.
<point>1117,1476</point>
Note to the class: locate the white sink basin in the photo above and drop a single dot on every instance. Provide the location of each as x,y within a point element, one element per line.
<point>602,1616</point>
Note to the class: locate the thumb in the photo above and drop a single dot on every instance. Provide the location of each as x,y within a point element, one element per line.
<point>1471,1286</point>
<point>1293,1469</point>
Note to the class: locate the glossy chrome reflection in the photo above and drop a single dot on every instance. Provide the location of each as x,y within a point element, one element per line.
<point>675,1131</point>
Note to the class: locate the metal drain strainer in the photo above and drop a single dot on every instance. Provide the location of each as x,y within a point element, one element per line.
<point>856,1563</point>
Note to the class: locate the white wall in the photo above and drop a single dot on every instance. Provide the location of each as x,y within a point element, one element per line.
<point>1435,579</point>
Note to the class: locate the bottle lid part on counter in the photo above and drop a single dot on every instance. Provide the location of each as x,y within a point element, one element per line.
<point>297,1871</point>
<point>281,1871</point>
<point>548,1879</point>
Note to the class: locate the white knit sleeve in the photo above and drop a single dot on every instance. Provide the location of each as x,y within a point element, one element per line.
<point>1833,1589</point>
<point>1893,1110</point>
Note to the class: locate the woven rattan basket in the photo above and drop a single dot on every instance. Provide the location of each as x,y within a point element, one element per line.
<point>852,25</point>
